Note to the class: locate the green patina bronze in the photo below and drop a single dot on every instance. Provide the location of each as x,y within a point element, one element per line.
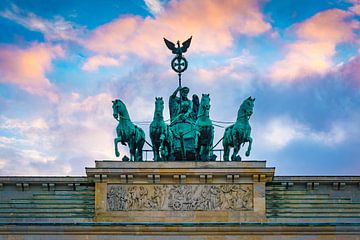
<point>160,133</point>
<point>183,115</point>
<point>239,132</point>
<point>204,130</point>
<point>127,132</point>
<point>190,134</point>
<point>182,108</point>
<point>179,63</point>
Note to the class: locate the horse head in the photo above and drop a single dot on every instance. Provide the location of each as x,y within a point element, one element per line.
<point>119,109</point>
<point>246,108</point>
<point>205,102</point>
<point>159,106</point>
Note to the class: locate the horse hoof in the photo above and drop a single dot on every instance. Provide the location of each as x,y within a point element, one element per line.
<point>213,157</point>
<point>237,158</point>
<point>117,154</point>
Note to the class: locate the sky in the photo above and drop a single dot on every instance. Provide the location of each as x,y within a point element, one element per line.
<point>63,62</point>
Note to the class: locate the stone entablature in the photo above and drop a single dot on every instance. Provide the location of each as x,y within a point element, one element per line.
<point>180,191</point>
<point>180,172</point>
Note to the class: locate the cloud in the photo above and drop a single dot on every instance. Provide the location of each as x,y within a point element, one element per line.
<point>313,52</point>
<point>355,9</point>
<point>154,6</point>
<point>351,71</point>
<point>214,25</point>
<point>61,141</point>
<point>231,69</point>
<point>56,29</point>
<point>279,132</point>
<point>23,125</point>
<point>27,67</point>
<point>303,59</point>
<point>333,25</point>
<point>93,63</point>
<point>28,146</point>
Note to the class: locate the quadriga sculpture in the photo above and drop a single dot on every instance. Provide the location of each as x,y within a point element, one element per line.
<point>160,133</point>
<point>239,132</point>
<point>127,132</point>
<point>204,130</point>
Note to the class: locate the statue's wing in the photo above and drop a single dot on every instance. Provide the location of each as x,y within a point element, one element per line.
<point>170,45</point>
<point>196,103</point>
<point>186,45</point>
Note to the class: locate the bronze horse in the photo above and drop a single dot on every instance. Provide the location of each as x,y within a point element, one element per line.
<point>204,130</point>
<point>239,132</point>
<point>127,132</point>
<point>160,133</point>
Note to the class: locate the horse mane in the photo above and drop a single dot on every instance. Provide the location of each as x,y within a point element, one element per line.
<point>242,107</point>
<point>124,111</point>
<point>201,110</point>
<point>157,110</point>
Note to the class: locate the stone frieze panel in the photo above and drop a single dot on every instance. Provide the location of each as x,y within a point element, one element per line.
<point>180,197</point>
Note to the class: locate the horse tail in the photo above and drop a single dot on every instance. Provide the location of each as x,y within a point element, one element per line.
<point>227,135</point>
<point>139,136</point>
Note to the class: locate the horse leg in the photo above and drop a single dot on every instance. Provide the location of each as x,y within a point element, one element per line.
<point>131,151</point>
<point>152,138</point>
<point>206,151</point>
<point>196,145</point>
<point>116,141</point>
<point>210,145</point>
<point>196,140</point>
<point>166,150</point>
<point>226,147</point>
<point>155,148</point>
<point>161,154</point>
<point>227,142</point>
<point>236,151</point>
<point>249,147</point>
<point>138,148</point>
<point>201,152</point>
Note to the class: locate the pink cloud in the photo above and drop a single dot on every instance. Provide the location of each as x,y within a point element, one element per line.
<point>27,67</point>
<point>233,69</point>
<point>303,59</point>
<point>351,70</point>
<point>356,8</point>
<point>213,24</point>
<point>331,25</point>
<point>93,63</point>
<point>312,53</point>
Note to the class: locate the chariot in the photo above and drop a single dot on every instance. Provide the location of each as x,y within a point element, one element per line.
<point>184,134</point>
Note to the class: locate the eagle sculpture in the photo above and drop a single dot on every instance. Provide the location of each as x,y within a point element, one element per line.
<point>179,50</point>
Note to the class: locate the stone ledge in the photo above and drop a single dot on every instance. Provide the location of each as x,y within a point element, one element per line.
<point>178,164</point>
<point>42,179</point>
<point>190,172</point>
<point>327,179</point>
<point>186,228</point>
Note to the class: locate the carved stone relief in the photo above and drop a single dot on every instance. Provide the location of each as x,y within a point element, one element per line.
<point>180,197</point>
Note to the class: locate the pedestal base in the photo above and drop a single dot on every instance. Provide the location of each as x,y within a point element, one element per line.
<point>180,191</point>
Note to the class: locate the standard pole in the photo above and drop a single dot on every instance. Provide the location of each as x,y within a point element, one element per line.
<point>179,80</point>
